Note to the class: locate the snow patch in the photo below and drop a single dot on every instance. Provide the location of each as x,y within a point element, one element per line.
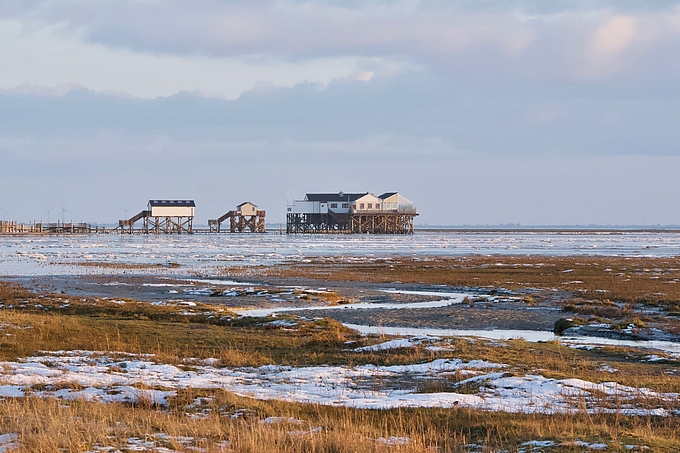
<point>110,378</point>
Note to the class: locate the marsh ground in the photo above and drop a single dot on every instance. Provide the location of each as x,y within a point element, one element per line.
<point>189,322</point>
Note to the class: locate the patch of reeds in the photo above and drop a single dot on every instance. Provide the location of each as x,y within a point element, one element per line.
<point>231,423</point>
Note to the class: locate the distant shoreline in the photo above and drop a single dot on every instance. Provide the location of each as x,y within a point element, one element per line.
<point>548,229</point>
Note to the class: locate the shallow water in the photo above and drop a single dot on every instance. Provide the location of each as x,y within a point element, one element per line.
<point>448,298</point>
<point>54,255</point>
<point>528,335</point>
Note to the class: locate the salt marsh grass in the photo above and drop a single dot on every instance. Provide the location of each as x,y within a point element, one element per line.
<point>231,423</point>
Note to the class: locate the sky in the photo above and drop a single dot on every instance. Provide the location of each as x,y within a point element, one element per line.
<point>482,112</point>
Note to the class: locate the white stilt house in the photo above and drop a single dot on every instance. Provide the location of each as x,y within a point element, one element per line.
<point>170,216</point>
<point>342,212</point>
<point>163,216</point>
<point>171,208</point>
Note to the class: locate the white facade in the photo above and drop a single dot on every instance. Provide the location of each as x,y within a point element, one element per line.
<point>339,207</point>
<point>340,203</point>
<point>318,207</point>
<point>171,208</point>
<point>367,203</point>
<point>304,207</point>
<point>397,202</point>
<point>246,208</point>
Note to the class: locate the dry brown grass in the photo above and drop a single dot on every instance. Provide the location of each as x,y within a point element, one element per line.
<point>51,425</point>
<point>11,293</point>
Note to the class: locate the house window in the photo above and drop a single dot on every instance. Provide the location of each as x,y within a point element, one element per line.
<point>377,206</point>
<point>370,205</point>
<point>345,205</point>
<point>290,209</point>
<point>361,206</point>
<point>334,205</point>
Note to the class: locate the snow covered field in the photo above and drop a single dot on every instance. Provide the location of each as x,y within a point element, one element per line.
<point>99,376</point>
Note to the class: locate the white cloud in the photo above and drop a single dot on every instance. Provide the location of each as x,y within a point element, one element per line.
<point>152,48</point>
<point>608,43</point>
<point>48,57</point>
<point>614,36</point>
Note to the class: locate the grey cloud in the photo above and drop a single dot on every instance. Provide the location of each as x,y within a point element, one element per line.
<point>477,117</point>
<point>472,38</point>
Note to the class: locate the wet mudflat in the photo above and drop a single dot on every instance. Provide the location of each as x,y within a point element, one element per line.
<point>454,317</point>
<point>395,305</point>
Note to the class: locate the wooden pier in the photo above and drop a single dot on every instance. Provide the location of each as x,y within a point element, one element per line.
<point>239,223</point>
<point>351,223</point>
<point>12,227</point>
<point>246,218</point>
<point>157,224</point>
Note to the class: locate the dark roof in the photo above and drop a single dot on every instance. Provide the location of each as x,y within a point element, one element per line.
<point>387,195</point>
<point>246,202</point>
<point>333,197</point>
<point>173,203</point>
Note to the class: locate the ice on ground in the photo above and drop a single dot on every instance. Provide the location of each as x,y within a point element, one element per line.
<point>448,299</point>
<point>399,343</point>
<point>588,445</point>
<point>533,444</point>
<point>393,440</point>
<point>204,254</point>
<point>539,443</point>
<point>607,369</point>
<point>8,442</point>
<point>577,342</point>
<point>275,420</point>
<point>311,430</point>
<point>282,323</point>
<point>104,378</point>
<point>212,281</point>
<point>157,443</point>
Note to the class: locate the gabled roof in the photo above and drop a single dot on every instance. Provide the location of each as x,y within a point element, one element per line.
<point>334,197</point>
<point>245,203</point>
<point>173,203</point>
<point>387,195</point>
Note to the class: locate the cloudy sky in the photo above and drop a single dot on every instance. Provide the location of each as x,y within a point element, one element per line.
<point>480,111</point>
